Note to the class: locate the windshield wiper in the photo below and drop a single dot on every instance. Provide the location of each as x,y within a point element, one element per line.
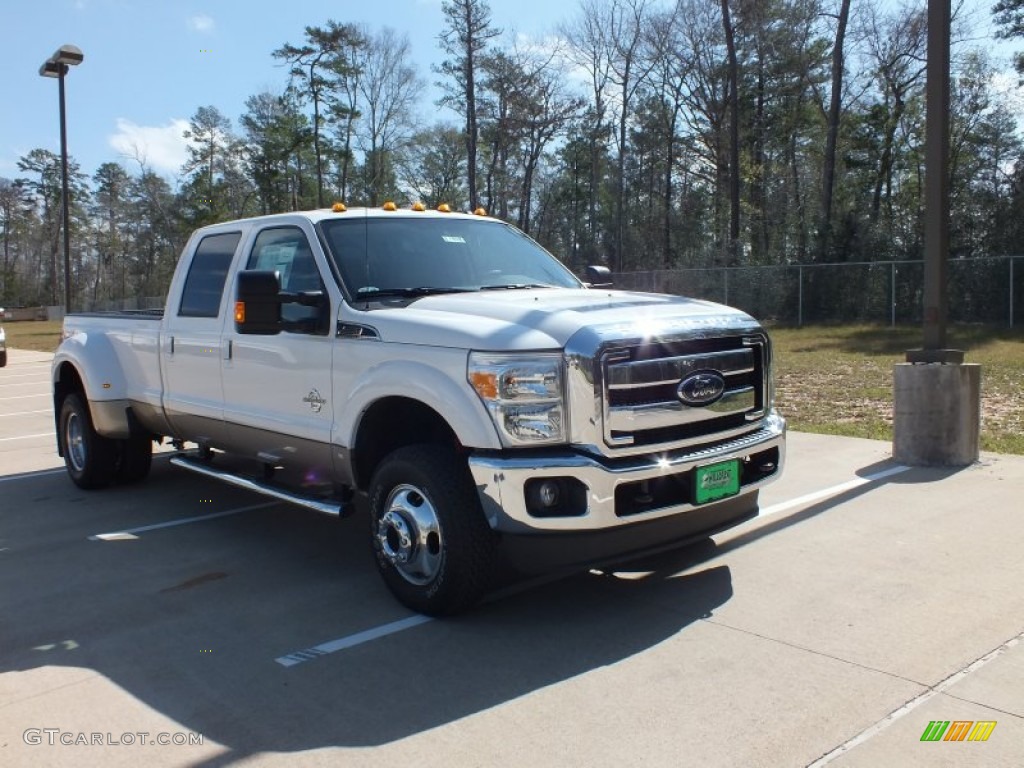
<point>514,286</point>
<point>369,294</point>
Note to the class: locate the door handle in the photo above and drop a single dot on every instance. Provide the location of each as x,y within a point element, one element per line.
<point>228,349</point>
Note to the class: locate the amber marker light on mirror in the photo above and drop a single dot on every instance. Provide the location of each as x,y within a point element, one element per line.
<point>239,311</point>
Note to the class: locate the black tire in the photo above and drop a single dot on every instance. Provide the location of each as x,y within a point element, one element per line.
<point>3,358</point>
<point>449,569</point>
<point>134,457</point>
<point>90,458</point>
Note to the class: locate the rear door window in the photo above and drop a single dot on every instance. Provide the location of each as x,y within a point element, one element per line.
<point>207,274</point>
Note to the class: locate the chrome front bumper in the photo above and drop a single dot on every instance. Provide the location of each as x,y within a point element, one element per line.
<point>501,480</point>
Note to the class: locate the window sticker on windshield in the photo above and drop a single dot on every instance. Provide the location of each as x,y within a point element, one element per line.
<point>453,239</point>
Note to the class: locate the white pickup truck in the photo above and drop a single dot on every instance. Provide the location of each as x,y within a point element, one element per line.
<point>494,408</point>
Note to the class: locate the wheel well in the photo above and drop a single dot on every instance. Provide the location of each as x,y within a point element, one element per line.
<point>391,423</point>
<point>67,382</point>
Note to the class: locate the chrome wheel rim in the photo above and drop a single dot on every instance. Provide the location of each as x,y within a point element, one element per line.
<point>74,441</point>
<point>409,535</point>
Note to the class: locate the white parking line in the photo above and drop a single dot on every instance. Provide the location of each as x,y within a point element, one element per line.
<point>834,490</point>
<point>25,413</point>
<point>22,397</point>
<point>352,640</point>
<point>27,437</point>
<point>129,533</point>
<point>30,475</point>
<point>917,701</point>
<point>366,636</point>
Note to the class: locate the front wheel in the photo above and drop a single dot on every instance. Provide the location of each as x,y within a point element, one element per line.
<point>90,458</point>
<point>433,547</point>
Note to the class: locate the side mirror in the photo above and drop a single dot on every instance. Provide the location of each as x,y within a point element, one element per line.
<point>598,276</point>
<point>258,302</point>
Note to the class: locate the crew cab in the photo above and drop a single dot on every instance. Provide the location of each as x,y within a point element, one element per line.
<point>490,407</point>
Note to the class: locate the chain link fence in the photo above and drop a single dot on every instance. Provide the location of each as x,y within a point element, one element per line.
<point>986,290</point>
<point>981,290</point>
<point>119,305</point>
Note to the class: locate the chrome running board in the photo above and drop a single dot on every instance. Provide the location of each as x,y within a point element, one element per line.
<point>336,508</point>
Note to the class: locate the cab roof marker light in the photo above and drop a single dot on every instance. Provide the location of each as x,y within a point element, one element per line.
<point>481,211</point>
<point>444,208</point>
<point>339,207</point>
<point>389,206</point>
<point>419,207</point>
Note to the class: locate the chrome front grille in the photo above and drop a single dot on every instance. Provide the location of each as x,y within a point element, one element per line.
<point>641,406</point>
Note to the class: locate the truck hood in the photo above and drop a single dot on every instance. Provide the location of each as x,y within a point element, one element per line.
<point>544,318</point>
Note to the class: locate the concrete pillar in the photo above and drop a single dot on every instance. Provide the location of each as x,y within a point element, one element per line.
<point>937,415</point>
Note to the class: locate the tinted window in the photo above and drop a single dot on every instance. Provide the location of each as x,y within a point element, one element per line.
<point>204,284</point>
<point>409,252</point>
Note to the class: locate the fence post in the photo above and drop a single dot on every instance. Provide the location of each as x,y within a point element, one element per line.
<point>892,299</point>
<point>800,298</point>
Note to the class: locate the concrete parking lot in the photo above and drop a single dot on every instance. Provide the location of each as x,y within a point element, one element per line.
<point>865,602</point>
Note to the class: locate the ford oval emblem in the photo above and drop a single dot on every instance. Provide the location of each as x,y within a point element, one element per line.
<point>701,388</point>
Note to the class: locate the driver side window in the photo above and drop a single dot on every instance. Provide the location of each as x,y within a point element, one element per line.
<point>286,250</point>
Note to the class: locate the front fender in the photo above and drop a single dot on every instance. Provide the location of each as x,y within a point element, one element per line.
<point>454,400</point>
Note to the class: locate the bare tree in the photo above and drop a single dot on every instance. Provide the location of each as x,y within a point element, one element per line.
<point>590,50</point>
<point>670,69</point>
<point>389,88</point>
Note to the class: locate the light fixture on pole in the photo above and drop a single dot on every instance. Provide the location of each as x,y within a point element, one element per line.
<point>57,66</point>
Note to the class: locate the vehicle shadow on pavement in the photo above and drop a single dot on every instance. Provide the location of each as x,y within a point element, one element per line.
<point>276,581</point>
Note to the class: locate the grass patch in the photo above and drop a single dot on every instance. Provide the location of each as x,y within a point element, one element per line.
<point>837,380</point>
<point>37,335</point>
<point>833,380</point>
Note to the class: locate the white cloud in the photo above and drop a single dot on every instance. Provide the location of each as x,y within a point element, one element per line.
<point>201,23</point>
<point>163,148</point>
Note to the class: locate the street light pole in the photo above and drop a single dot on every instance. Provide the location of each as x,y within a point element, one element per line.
<point>936,396</point>
<point>65,196</point>
<point>57,66</point>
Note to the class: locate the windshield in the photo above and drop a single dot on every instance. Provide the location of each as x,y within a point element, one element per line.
<point>408,256</point>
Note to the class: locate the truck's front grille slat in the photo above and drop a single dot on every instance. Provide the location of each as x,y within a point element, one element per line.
<point>642,405</point>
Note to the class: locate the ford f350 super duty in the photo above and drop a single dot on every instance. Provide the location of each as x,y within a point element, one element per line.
<point>491,406</point>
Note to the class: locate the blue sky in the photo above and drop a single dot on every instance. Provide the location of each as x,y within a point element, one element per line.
<point>149,64</point>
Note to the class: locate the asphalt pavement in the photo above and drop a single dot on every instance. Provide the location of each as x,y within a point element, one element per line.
<point>181,622</point>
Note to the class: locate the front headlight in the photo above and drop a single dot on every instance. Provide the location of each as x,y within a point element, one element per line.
<point>523,393</point>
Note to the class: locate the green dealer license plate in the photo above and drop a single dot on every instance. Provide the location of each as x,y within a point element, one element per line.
<point>716,481</point>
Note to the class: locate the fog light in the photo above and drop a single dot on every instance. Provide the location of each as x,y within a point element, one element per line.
<point>555,497</point>
<point>548,493</point>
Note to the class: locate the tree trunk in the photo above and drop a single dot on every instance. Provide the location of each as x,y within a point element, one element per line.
<point>831,137</point>
<point>734,137</point>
